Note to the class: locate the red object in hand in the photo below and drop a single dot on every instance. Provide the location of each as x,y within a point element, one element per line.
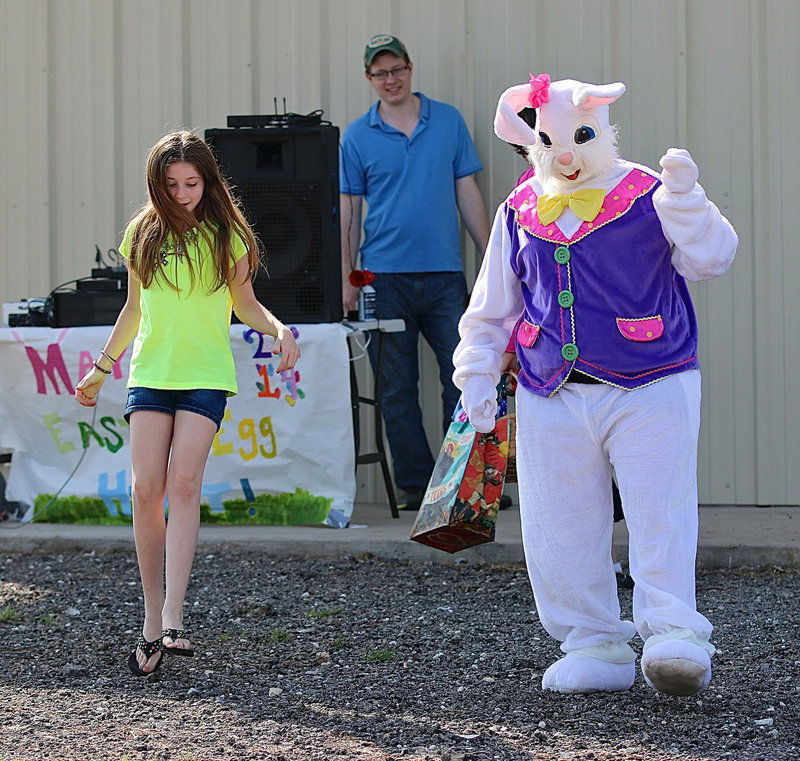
<point>359,278</point>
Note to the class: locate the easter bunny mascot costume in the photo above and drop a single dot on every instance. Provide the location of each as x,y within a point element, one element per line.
<point>594,253</point>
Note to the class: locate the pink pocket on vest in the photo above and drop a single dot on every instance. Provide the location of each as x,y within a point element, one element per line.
<point>527,334</point>
<point>644,329</point>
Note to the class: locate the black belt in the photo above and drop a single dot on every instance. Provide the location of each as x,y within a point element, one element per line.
<point>576,376</point>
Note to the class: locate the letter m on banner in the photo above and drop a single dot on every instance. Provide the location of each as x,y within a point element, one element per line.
<point>54,365</point>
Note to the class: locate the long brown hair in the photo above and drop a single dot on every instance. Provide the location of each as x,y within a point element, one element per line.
<point>162,215</point>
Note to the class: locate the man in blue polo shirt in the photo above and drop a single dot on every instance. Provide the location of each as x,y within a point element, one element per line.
<point>414,162</point>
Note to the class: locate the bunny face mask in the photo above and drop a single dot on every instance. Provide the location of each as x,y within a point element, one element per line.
<point>573,144</point>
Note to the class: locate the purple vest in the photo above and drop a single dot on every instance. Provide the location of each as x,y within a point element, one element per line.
<point>606,301</point>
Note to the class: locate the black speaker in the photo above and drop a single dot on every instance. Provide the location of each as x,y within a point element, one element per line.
<point>287,178</point>
<point>75,309</point>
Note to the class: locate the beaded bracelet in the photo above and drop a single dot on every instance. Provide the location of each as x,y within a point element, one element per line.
<point>97,367</point>
<point>109,357</point>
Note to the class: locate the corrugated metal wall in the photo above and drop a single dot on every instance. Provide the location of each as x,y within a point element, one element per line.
<point>89,85</point>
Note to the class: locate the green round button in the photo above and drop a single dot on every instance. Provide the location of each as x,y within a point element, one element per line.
<point>566,299</point>
<point>569,352</point>
<point>561,254</point>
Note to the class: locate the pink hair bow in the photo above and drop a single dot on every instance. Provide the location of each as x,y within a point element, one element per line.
<point>540,90</point>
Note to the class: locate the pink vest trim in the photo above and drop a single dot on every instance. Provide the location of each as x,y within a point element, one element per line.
<point>634,185</point>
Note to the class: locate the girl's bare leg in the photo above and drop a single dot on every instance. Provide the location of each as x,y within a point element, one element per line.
<point>191,442</point>
<point>151,436</point>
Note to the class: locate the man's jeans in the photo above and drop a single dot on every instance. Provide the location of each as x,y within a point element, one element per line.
<point>431,303</point>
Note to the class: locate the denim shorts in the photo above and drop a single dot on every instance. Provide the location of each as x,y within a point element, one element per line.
<point>204,401</point>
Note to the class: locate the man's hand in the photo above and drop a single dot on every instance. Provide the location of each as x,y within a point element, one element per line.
<point>349,297</point>
<point>509,363</point>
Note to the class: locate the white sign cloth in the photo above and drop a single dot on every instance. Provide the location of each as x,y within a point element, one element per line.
<point>281,432</point>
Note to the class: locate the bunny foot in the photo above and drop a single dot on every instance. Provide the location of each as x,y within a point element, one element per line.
<point>579,673</point>
<point>676,667</point>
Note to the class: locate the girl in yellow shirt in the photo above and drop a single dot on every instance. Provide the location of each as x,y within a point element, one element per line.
<point>191,257</point>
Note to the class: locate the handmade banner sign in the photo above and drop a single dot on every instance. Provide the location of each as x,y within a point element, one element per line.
<point>287,436</point>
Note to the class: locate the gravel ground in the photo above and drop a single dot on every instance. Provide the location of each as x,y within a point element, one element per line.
<point>302,658</point>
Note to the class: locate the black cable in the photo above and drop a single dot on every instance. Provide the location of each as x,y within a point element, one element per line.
<point>108,260</point>
<point>311,118</point>
<point>63,486</point>
<point>286,119</point>
<point>74,280</point>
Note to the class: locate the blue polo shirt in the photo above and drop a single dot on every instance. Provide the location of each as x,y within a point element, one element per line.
<point>409,185</point>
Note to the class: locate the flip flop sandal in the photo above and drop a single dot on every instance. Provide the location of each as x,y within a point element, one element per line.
<point>149,649</point>
<point>175,634</point>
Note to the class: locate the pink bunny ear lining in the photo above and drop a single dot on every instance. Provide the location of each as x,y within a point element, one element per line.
<point>590,102</point>
<point>592,96</point>
<point>516,97</point>
<point>507,125</point>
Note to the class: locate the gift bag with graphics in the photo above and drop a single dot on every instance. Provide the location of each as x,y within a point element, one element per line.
<point>506,390</point>
<point>462,499</point>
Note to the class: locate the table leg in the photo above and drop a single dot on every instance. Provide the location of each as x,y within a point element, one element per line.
<point>356,400</point>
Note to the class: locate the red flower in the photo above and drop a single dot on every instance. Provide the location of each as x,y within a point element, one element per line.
<point>359,278</point>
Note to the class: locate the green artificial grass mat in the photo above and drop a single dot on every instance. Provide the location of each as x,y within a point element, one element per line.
<point>288,509</point>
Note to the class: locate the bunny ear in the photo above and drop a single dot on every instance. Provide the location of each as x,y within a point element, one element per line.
<point>507,125</point>
<point>588,97</point>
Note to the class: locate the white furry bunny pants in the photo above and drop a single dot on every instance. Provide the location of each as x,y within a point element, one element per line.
<point>566,447</point>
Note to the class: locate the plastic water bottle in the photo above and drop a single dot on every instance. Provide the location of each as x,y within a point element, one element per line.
<point>366,303</point>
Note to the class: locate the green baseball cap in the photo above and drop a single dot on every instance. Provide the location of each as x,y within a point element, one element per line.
<point>381,43</point>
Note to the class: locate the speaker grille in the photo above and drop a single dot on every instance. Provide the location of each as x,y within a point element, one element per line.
<point>286,216</point>
<point>287,181</point>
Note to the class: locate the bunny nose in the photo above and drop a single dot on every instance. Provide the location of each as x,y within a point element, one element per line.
<point>565,159</point>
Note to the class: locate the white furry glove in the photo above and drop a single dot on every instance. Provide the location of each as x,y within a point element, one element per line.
<point>479,397</point>
<point>680,172</point>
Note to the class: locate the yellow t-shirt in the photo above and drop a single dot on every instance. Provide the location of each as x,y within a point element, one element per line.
<point>184,336</point>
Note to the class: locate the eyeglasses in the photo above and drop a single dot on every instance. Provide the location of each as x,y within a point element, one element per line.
<point>381,75</point>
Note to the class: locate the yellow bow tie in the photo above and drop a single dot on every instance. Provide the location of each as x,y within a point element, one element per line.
<point>585,203</point>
